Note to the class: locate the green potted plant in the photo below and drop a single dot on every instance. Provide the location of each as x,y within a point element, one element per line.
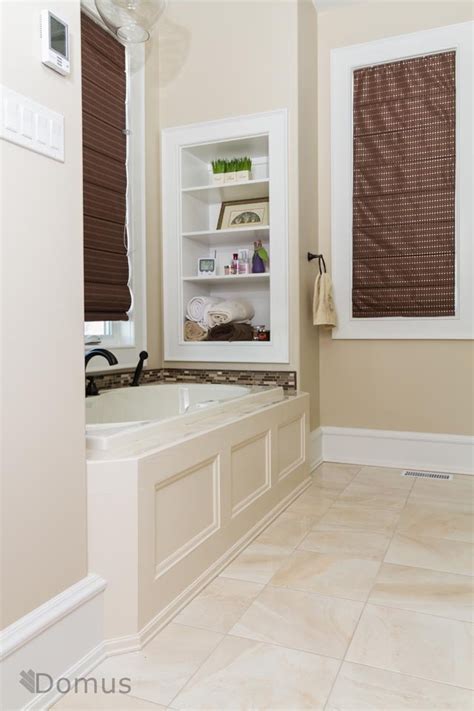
<point>244,166</point>
<point>231,171</point>
<point>218,171</point>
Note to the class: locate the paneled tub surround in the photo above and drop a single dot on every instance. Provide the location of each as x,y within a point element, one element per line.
<point>168,511</point>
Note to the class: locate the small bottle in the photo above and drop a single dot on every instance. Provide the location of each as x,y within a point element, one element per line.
<point>226,270</point>
<point>244,261</point>
<point>234,265</point>
<point>258,265</point>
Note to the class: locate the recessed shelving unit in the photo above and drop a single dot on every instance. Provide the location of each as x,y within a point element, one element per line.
<point>191,208</point>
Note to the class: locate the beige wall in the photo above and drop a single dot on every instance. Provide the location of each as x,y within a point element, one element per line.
<point>424,386</point>
<point>210,60</point>
<point>42,386</point>
<point>307,148</point>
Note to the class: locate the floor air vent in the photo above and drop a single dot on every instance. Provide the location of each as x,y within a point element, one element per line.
<point>427,475</point>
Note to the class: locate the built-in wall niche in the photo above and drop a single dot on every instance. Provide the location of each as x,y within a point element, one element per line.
<point>192,204</point>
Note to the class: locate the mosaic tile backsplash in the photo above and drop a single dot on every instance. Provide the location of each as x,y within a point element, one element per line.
<point>120,379</point>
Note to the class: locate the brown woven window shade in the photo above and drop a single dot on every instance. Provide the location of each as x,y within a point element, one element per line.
<point>404,188</point>
<point>106,270</point>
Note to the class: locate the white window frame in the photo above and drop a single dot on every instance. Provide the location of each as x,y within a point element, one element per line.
<point>343,63</point>
<point>128,338</point>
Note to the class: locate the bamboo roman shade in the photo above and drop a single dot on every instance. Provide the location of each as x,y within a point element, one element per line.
<point>106,269</point>
<point>404,188</point>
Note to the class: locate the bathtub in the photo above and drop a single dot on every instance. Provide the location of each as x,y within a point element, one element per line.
<point>171,501</point>
<point>116,417</point>
<point>158,402</point>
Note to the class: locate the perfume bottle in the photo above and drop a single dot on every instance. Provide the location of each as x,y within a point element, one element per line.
<point>258,265</point>
<point>234,265</point>
<point>244,261</point>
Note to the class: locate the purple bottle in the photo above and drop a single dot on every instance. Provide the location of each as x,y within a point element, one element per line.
<point>258,265</point>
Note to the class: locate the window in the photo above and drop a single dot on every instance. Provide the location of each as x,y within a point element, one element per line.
<point>404,153</point>
<point>401,184</point>
<point>113,167</point>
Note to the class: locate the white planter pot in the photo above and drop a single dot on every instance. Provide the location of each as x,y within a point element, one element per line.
<point>243,175</point>
<point>218,178</point>
<point>230,177</point>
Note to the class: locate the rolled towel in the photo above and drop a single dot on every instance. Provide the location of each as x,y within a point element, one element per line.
<point>194,331</point>
<point>229,311</point>
<point>198,307</point>
<point>231,332</point>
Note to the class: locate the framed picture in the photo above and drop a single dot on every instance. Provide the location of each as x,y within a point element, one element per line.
<point>244,213</point>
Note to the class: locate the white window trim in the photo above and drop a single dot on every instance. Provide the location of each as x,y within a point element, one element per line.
<point>129,337</point>
<point>343,63</point>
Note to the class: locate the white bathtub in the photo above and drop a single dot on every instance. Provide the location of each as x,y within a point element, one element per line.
<point>154,403</point>
<point>125,414</point>
<point>171,502</point>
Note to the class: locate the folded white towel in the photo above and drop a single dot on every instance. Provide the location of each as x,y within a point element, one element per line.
<point>198,307</point>
<point>229,311</point>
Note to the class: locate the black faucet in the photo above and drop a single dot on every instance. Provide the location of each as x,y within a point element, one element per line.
<point>91,387</point>
<point>138,370</point>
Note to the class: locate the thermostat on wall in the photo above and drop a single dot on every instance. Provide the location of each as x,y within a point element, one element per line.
<point>54,42</point>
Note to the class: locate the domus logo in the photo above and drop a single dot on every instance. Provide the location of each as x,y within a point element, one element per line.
<point>41,683</point>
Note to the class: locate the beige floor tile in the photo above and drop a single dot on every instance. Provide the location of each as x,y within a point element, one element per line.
<point>97,702</point>
<point>384,477</point>
<point>309,504</point>
<point>422,590</point>
<point>346,542</point>
<point>300,620</point>
<point>346,577</point>
<point>242,674</point>
<point>334,477</point>
<point>459,490</point>
<point>257,563</point>
<point>162,668</point>
<point>413,643</point>
<point>437,521</point>
<point>360,688</point>
<point>220,604</point>
<point>435,553</point>
<point>289,529</point>
<point>378,497</point>
<point>344,515</point>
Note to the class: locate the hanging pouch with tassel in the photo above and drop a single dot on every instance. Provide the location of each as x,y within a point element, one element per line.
<point>324,312</point>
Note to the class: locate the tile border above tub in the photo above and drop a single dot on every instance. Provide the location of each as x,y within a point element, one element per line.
<point>108,380</point>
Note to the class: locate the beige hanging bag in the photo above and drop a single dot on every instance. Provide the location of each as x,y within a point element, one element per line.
<point>324,313</point>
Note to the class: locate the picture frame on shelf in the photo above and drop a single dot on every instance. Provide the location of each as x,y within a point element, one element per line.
<point>251,212</point>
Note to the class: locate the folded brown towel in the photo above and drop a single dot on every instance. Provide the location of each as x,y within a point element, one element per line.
<point>231,332</point>
<point>194,332</point>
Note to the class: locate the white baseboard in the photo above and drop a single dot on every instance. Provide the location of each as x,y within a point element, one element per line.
<point>120,645</point>
<point>315,448</point>
<point>62,638</point>
<point>389,448</point>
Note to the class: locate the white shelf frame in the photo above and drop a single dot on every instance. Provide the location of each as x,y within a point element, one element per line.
<point>273,124</point>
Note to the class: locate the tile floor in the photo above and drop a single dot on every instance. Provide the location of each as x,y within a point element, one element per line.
<point>359,596</point>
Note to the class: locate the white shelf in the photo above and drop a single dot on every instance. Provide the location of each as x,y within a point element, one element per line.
<point>232,191</point>
<point>249,278</point>
<point>191,205</point>
<point>238,235</point>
